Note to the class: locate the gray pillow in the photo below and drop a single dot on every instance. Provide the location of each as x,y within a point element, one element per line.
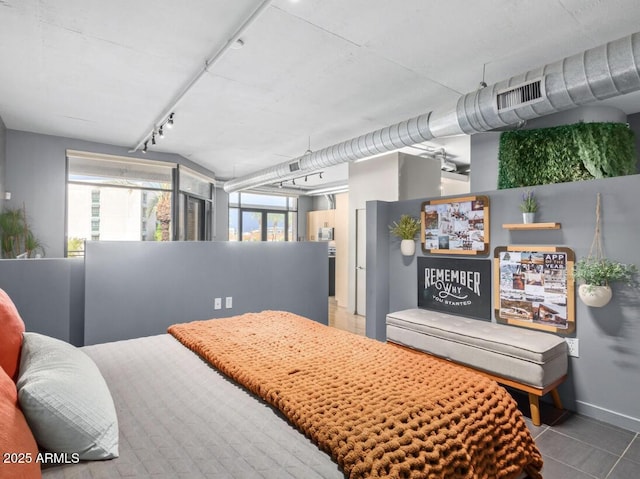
<point>65,399</point>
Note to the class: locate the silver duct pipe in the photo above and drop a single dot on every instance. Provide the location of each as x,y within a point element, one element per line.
<point>603,72</point>
<point>331,200</point>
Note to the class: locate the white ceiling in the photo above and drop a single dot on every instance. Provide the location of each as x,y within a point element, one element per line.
<point>318,71</point>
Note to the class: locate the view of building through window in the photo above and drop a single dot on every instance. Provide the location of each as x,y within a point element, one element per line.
<point>255,217</point>
<point>113,213</point>
<point>125,200</point>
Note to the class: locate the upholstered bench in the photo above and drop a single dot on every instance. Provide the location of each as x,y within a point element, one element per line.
<point>531,361</point>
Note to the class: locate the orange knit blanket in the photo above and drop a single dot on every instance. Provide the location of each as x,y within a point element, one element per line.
<point>379,410</point>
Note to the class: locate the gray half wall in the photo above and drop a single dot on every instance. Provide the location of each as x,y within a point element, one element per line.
<point>49,295</point>
<point>135,289</point>
<point>604,382</point>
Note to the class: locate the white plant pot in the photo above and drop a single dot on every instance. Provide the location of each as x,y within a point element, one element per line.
<point>528,218</point>
<point>408,247</point>
<point>594,296</point>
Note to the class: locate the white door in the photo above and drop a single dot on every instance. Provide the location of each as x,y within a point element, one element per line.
<point>361,261</point>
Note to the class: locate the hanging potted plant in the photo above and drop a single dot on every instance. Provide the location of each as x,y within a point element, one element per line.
<point>597,272</point>
<point>529,206</point>
<point>597,275</point>
<point>406,229</point>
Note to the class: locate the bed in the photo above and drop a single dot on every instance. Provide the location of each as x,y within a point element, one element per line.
<point>179,417</point>
<point>275,395</point>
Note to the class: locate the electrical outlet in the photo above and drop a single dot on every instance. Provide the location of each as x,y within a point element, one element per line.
<point>217,304</point>
<point>228,302</point>
<point>572,347</point>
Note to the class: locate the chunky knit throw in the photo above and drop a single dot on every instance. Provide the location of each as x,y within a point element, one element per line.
<point>379,410</point>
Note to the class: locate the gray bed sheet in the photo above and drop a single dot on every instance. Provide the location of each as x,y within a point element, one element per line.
<point>180,418</point>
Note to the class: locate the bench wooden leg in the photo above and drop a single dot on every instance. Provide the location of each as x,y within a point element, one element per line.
<point>535,409</point>
<point>556,398</point>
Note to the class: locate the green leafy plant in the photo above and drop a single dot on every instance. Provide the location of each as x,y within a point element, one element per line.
<point>406,228</point>
<point>581,151</point>
<point>529,202</point>
<point>601,272</point>
<point>16,238</point>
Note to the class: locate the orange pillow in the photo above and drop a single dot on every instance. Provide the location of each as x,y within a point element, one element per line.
<point>11,329</point>
<point>17,445</point>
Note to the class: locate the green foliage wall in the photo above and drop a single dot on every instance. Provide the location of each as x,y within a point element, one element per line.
<point>565,153</point>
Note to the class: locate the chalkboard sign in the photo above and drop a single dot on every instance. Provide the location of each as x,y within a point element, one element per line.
<point>455,286</point>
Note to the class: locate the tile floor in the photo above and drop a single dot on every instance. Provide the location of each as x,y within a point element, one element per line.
<point>573,446</point>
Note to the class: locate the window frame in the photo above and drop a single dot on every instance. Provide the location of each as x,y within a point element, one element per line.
<point>173,187</point>
<point>291,207</point>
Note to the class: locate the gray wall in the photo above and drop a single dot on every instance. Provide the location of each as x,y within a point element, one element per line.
<point>49,295</point>
<point>484,161</point>
<point>305,204</point>
<point>138,289</point>
<point>604,382</point>
<point>634,124</point>
<point>220,215</point>
<point>36,176</point>
<point>3,160</point>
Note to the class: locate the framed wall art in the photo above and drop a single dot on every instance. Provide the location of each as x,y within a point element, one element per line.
<point>534,287</point>
<point>455,225</point>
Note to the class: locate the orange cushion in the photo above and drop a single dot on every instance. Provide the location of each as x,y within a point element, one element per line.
<point>11,329</point>
<point>17,445</point>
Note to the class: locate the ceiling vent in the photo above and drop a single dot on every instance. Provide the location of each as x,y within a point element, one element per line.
<point>293,167</point>
<point>520,95</point>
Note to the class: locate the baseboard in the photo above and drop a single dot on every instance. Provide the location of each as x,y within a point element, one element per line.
<point>610,417</point>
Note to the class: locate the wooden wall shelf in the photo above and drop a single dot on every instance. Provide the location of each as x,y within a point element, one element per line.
<point>531,226</point>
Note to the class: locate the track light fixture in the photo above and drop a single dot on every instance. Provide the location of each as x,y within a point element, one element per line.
<point>158,133</point>
<point>293,180</point>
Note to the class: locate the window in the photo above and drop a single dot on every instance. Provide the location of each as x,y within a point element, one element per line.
<point>258,217</point>
<point>115,198</point>
<point>195,206</point>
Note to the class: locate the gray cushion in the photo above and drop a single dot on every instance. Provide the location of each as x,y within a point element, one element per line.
<point>66,400</point>
<point>531,357</point>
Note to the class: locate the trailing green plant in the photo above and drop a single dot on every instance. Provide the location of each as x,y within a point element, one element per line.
<point>565,153</point>
<point>407,228</point>
<point>529,202</point>
<point>601,272</point>
<point>16,238</point>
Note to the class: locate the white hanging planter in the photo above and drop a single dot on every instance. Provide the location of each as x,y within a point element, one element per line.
<point>594,296</point>
<point>408,247</point>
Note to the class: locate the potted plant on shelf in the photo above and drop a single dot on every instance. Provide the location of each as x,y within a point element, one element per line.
<point>406,229</point>
<point>597,274</point>
<point>529,206</point>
